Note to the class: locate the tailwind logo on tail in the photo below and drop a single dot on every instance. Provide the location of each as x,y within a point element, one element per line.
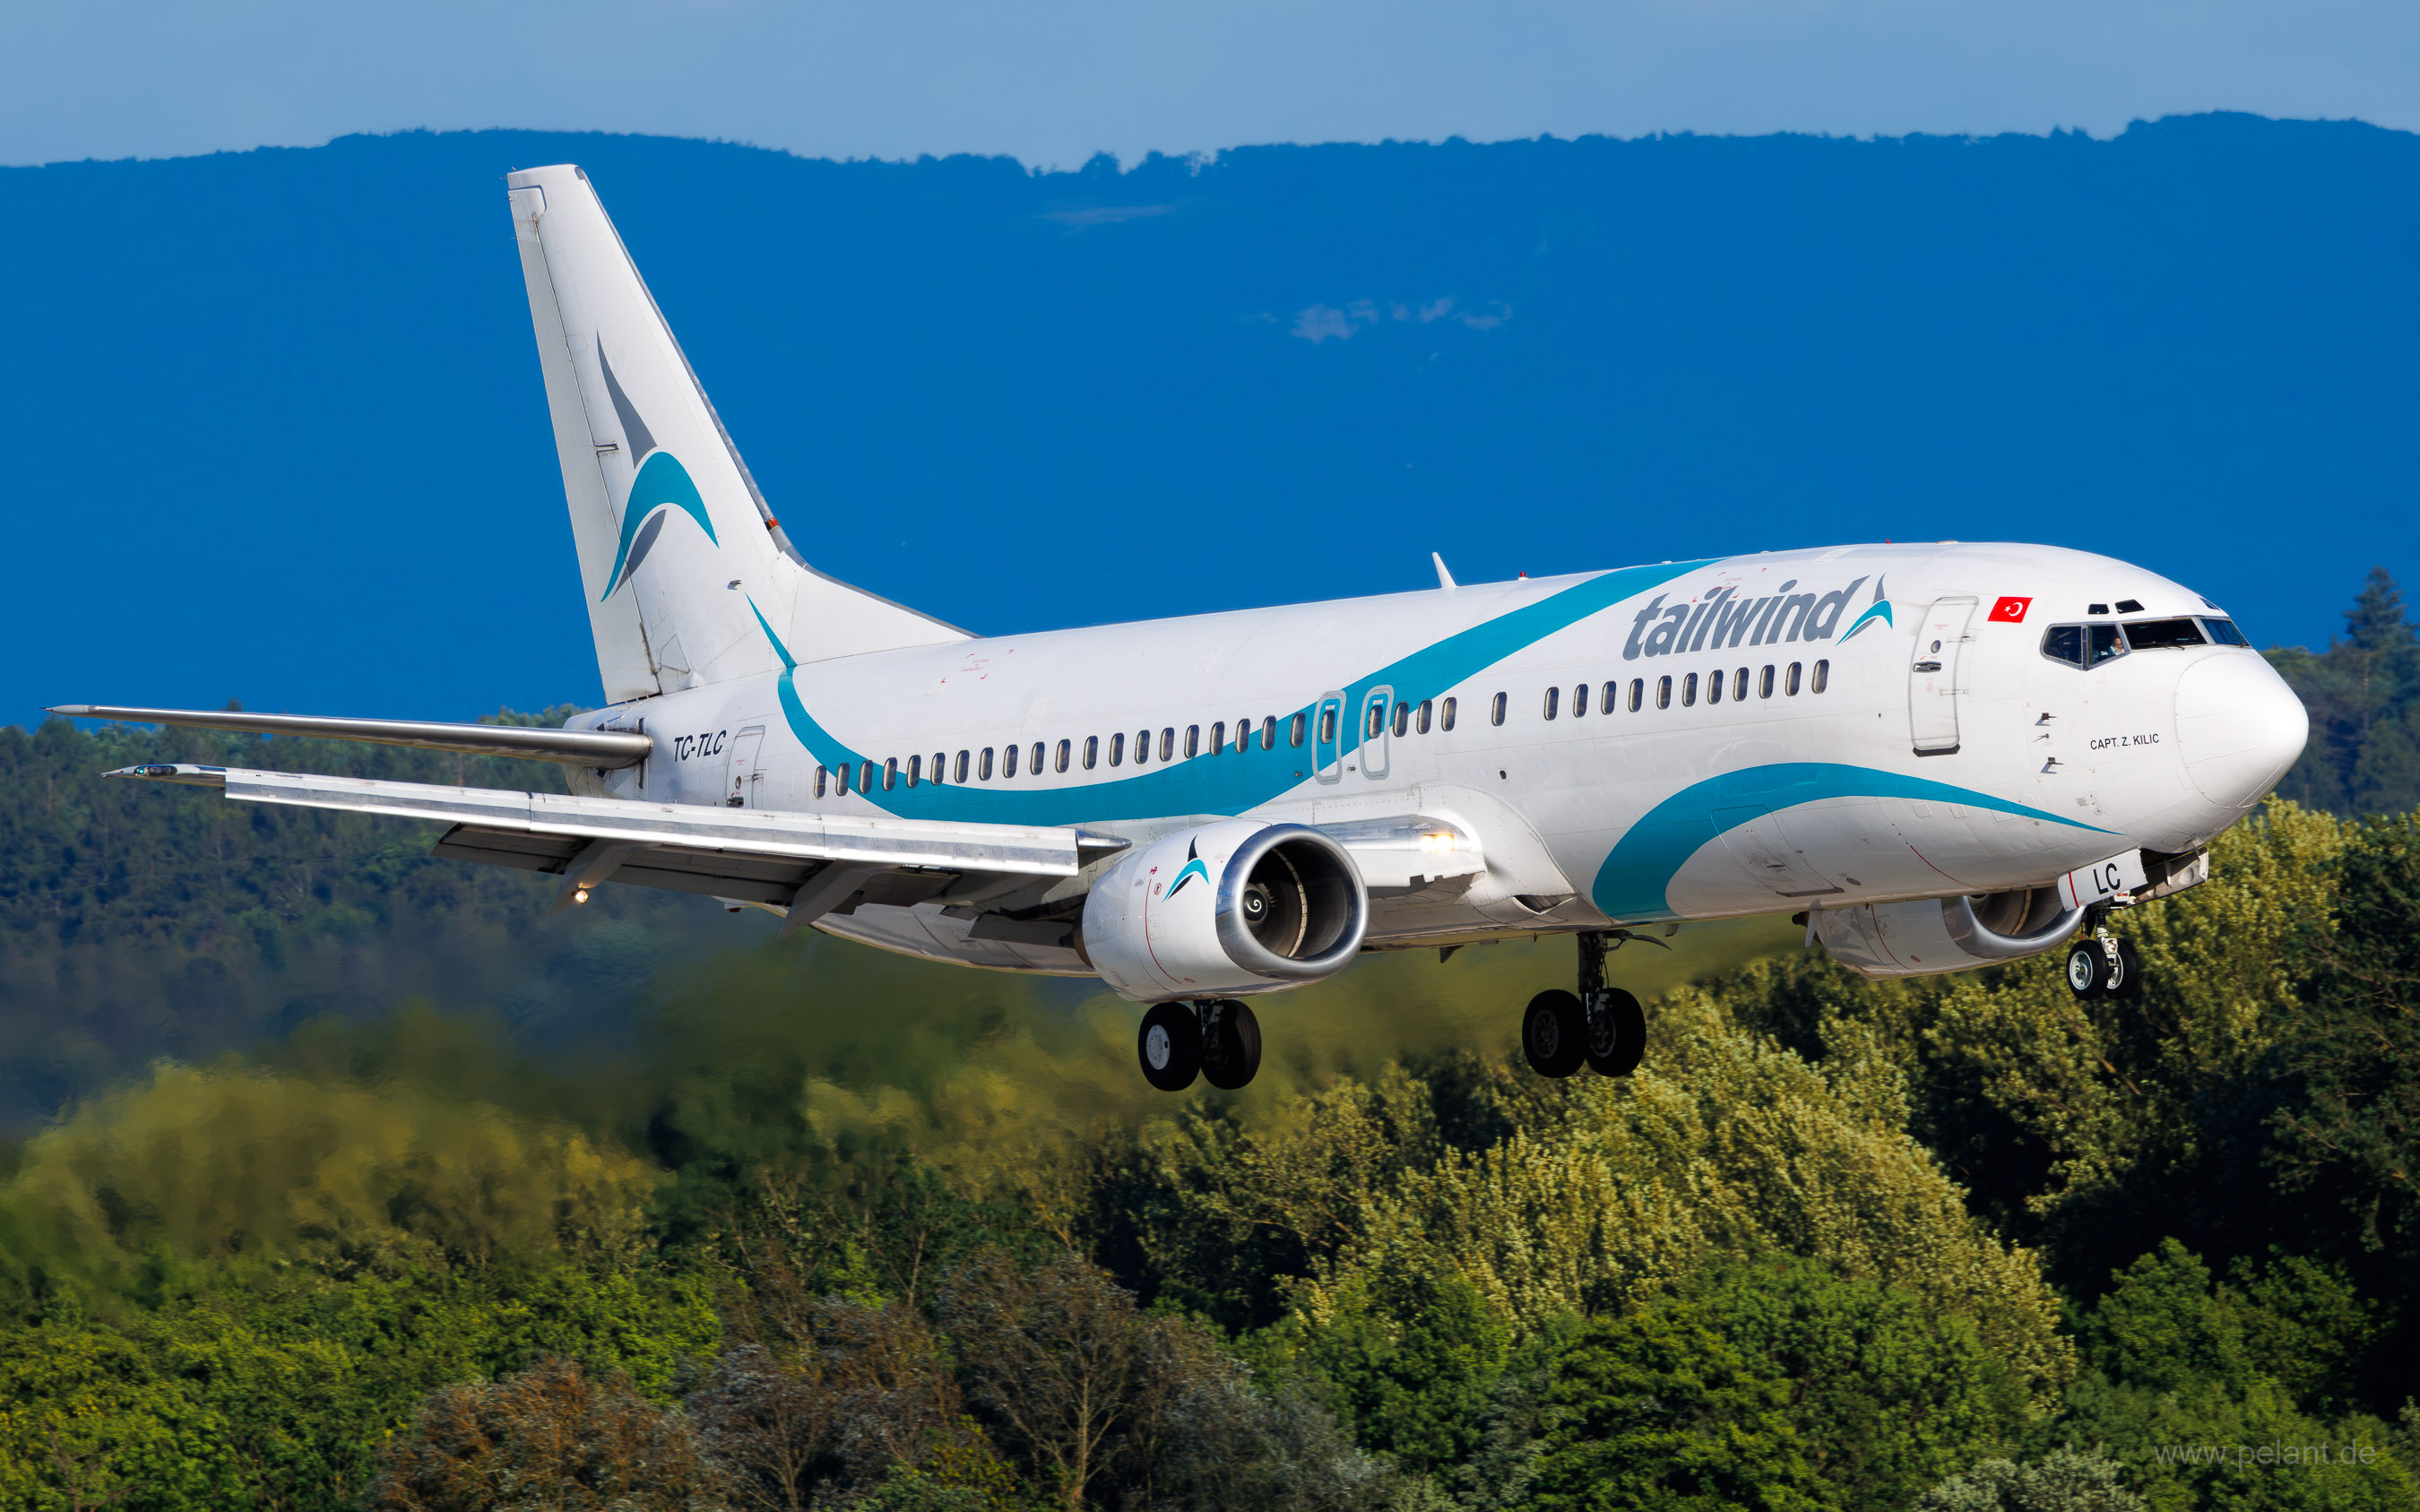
<point>662,484</point>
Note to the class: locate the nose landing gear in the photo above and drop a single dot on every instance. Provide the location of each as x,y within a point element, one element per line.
<point>1601,1027</point>
<point>2104,967</point>
<point>1219,1040</point>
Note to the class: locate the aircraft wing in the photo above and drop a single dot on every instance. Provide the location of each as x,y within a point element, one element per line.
<point>808,863</point>
<point>600,748</point>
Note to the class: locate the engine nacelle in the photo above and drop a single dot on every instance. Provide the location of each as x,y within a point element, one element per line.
<point>1920,939</point>
<point>1232,908</point>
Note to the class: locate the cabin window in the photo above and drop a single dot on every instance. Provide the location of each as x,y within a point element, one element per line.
<point>1377,722</point>
<point>1638,693</point>
<point>1664,693</point>
<point>890,773</point>
<point>1064,747</point>
<point>1579,701</point>
<point>1402,719</point>
<point>1790,682</point>
<point>1427,710</point>
<point>961,775</point>
<point>1715,686</point>
<point>1117,748</point>
<point>1008,762</point>
<point>2101,643</point>
<point>1608,699</point>
<point>1168,744</point>
<point>940,764</point>
<point>1739,684</point>
<point>1033,761</point>
<point>915,769</point>
<point>1269,732</point>
<point>1822,676</point>
<point>1143,746</point>
<point>1764,681</point>
<point>1219,738</point>
<point>865,776</point>
<point>1445,715</point>
<point>1689,691</point>
<point>1495,710</point>
<point>2224,632</point>
<point>1092,751</point>
<point>823,774</point>
<point>1327,727</point>
<point>1294,731</point>
<point>1243,736</point>
<point>982,770</point>
<point>1192,741</point>
<point>1553,697</point>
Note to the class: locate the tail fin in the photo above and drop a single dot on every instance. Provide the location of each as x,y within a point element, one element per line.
<point>689,578</point>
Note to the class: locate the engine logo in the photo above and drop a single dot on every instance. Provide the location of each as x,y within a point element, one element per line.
<point>1193,868</point>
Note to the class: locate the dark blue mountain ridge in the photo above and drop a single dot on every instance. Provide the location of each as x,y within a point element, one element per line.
<point>277,431</point>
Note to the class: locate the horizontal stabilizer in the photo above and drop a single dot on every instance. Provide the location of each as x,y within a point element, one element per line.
<point>578,747</point>
<point>877,839</point>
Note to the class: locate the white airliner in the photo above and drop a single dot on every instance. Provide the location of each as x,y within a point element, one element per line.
<point>1943,755</point>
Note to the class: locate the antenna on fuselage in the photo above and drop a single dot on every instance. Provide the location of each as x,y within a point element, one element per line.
<point>1444,578</point>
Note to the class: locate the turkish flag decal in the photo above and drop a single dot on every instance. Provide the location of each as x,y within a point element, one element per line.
<point>2010,610</point>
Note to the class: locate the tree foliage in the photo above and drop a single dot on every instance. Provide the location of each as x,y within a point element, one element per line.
<point>799,1227</point>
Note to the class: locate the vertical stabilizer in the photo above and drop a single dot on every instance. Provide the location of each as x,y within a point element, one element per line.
<point>677,552</point>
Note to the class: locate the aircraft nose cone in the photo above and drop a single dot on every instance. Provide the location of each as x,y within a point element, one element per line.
<point>2238,727</point>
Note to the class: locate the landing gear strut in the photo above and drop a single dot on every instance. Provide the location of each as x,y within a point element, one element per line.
<point>1219,1040</point>
<point>1601,1027</point>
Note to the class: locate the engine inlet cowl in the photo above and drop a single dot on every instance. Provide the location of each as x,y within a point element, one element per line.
<point>1232,907</point>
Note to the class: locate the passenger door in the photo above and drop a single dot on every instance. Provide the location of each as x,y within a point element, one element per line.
<point>743,782</point>
<point>1932,673</point>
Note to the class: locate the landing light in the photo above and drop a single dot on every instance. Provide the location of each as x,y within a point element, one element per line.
<point>580,895</point>
<point>1437,841</point>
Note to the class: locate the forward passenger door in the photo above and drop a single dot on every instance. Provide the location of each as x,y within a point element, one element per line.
<point>1932,673</point>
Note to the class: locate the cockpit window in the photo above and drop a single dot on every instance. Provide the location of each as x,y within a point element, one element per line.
<point>2064,643</point>
<point>2160,635</point>
<point>2101,643</point>
<point>2225,633</point>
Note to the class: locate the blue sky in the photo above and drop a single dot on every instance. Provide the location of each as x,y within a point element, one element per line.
<point>1052,83</point>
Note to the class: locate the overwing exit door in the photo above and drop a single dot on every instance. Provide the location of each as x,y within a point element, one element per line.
<point>1327,738</point>
<point>1932,671</point>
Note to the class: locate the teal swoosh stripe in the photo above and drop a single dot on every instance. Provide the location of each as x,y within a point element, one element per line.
<point>1229,783</point>
<point>1636,879</point>
<point>662,483</point>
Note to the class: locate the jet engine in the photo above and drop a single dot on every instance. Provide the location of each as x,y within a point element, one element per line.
<point>1232,908</point>
<point>1920,939</point>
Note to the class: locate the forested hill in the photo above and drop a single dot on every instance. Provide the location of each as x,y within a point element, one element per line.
<point>1016,399</point>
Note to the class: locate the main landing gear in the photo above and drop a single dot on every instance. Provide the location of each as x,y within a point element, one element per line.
<point>1219,1040</point>
<point>2104,965</point>
<point>1602,1028</point>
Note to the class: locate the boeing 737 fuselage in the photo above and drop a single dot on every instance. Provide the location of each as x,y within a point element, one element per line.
<point>1940,755</point>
